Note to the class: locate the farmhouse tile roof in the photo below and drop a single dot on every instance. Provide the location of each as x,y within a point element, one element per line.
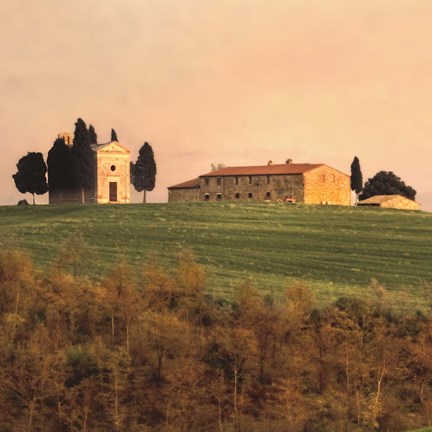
<point>190,184</point>
<point>291,168</point>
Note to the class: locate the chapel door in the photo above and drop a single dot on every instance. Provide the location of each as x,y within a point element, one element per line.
<point>113,191</point>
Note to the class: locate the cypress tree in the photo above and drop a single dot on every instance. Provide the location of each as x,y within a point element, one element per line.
<point>356,177</point>
<point>143,172</point>
<point>61,171</point>
<point>113,135</point>
<point>31,175</point>
<point>84,159</point>
<point>92,135</point>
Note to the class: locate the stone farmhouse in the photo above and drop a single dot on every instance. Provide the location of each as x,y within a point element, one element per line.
<point>391,201</point>
<point>112,176</point>
<point>291,182</point>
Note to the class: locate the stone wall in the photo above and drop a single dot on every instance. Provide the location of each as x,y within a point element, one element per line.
<point>251,188</point>
<point>184,194</point>
<point>325,185</point>
<point>402,203</point>
<point>72,196</point>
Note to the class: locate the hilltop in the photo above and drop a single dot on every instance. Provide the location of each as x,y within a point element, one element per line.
<point>334,250</point>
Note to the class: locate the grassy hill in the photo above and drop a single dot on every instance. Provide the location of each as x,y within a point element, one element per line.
<point>335,250</point>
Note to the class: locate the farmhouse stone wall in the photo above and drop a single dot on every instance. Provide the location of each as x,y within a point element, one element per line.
<point>325,185</point>
<point>251,188</point>
<point>186,194</point>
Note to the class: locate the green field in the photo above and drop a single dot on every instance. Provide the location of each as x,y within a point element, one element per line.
<point>335,250</point>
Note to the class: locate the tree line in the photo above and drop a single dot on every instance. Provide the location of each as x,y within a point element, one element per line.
<point>73,166</point>
<point>156,352</point>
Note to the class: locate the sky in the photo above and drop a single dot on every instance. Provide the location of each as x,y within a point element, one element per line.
<point>237,82</point>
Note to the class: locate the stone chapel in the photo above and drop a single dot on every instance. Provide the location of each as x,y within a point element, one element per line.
<point>112,176</point>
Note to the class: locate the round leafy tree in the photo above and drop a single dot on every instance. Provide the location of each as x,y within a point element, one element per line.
<point>386,183</point>
<point>31,175</point>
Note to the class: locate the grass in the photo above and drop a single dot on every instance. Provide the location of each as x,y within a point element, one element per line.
<point>335,250</point>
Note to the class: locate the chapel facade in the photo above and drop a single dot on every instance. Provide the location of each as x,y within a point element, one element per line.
<point>112,177</point>
<point>290,182</point>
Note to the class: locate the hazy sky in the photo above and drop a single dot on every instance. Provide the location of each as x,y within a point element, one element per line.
<point>232,81</point>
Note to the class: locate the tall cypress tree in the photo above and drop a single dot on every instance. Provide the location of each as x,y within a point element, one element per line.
<point>61,171</point>
<point>92,135</point>
<point>114,135</point>
<point>143,172</point>
<point>84,159</point>
<point>356,177</point>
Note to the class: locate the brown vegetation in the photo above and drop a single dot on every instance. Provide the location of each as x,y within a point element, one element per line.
<point>155,353</point>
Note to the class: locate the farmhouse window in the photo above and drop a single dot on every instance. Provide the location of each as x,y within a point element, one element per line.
<point>206,181</point>
<point>207,197</point>
<point>333,178</point>
<point>236,180</point>
<point>218,181</point>
<point>250,195</point>
<point>237,195</point>
<point>218,197</point>
<point>250,179</point>
<point>323,178</point>
<point>268,195</point>
<point>268,179</point>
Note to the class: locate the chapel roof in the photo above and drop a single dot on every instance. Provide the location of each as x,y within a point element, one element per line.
<point>98,147</point>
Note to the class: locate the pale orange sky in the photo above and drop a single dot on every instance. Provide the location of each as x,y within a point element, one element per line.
<point>232,81</point>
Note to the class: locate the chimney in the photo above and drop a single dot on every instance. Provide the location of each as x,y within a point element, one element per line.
<point>288,161</point>
<point>270,162</point>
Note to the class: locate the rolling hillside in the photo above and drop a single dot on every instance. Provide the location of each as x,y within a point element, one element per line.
<point>335,250</point>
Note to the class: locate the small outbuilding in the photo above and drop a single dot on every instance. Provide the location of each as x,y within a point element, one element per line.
<point>391,201</point>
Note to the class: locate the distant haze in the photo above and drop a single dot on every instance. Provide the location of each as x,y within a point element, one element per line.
<point>237,82</point>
